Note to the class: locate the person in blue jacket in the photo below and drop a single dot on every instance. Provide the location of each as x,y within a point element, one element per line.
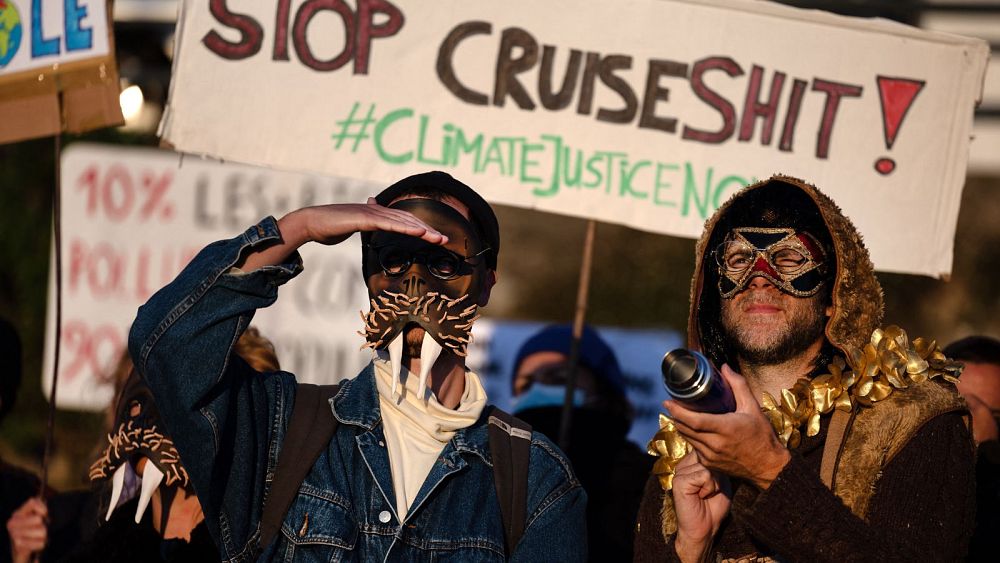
<point>408,474</point>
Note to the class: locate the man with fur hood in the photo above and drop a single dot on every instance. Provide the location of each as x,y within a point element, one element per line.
<point>848,442</point>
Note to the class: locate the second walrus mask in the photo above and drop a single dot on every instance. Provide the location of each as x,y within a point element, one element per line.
<point>138,433</point>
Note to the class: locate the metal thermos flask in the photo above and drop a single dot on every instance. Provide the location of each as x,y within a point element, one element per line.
<point>692,380</point>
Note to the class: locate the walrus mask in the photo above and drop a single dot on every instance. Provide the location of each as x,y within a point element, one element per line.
<point>438,288</point>
<point>138,433</point>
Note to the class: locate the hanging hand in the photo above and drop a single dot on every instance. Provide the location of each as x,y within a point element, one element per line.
<point>701,500</point>
<point>27,530</point>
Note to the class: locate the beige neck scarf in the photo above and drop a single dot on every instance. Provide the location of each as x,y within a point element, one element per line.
<point>417,427</point>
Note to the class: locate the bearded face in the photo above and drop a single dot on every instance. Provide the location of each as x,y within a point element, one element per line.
<point>138,435</point>
<point>770,282</point>
<point>765,326</point>
<point>424,297</point>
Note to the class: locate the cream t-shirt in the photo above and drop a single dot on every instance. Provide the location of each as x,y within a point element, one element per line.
<point>417,428</point>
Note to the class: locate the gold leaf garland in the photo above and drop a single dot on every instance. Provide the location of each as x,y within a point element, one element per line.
<point>888,362</point>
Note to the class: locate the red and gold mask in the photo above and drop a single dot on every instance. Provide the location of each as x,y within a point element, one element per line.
<point>794,261</point>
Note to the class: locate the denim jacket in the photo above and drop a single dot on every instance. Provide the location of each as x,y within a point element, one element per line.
<point>228,423</point>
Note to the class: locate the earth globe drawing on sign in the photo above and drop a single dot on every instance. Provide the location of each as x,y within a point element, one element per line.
<point>10,31</point>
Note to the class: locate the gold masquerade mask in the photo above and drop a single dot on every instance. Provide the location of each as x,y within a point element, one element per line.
<point>792,260</point>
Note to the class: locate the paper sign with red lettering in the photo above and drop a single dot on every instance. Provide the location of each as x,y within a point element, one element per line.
<point>648,113</point>
<point>132,219</point>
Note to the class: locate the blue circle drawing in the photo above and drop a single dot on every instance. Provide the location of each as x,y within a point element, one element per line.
<point>10,31</point>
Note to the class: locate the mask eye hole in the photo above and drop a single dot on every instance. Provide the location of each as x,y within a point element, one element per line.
<point>134,409</point>
<point>443,264</point>
<point>787,260</point>
<point>735,257</point>
<point>393,260</point>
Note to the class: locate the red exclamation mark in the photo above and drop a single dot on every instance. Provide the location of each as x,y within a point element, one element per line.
<point>896,95</point>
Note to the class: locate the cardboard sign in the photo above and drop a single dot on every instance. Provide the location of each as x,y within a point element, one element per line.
<point>57,68</point>
<point>648,113</point>
<point>134,217</point>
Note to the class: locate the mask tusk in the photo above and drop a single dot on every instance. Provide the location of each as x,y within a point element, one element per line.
<point>429,352</point>
<point>396,361</point>
<point>117,483</point>
<point>151,479</point>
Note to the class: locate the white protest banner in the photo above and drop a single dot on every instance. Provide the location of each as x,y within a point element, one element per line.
<point>648,113</point>
<point>40,33</point>
<point>134,217</point>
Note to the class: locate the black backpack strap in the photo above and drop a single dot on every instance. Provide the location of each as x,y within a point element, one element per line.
<point>310,429</point>
<point>510,449</point>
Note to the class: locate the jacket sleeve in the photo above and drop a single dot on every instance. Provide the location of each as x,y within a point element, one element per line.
<point>556,528</point>
<point>224,417</point>
<point>923,509</point>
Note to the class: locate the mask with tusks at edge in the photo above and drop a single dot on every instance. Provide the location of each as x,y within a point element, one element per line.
<point>411,281</point>
<point>138,433</point>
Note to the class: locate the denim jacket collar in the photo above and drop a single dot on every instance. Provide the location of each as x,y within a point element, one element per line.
<point>357,404</point>
<point>357,401</point>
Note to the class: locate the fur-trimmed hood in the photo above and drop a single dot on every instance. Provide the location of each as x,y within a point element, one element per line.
<point>856,295</point>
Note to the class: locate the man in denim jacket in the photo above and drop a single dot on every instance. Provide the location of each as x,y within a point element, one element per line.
<point>408,474</point>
